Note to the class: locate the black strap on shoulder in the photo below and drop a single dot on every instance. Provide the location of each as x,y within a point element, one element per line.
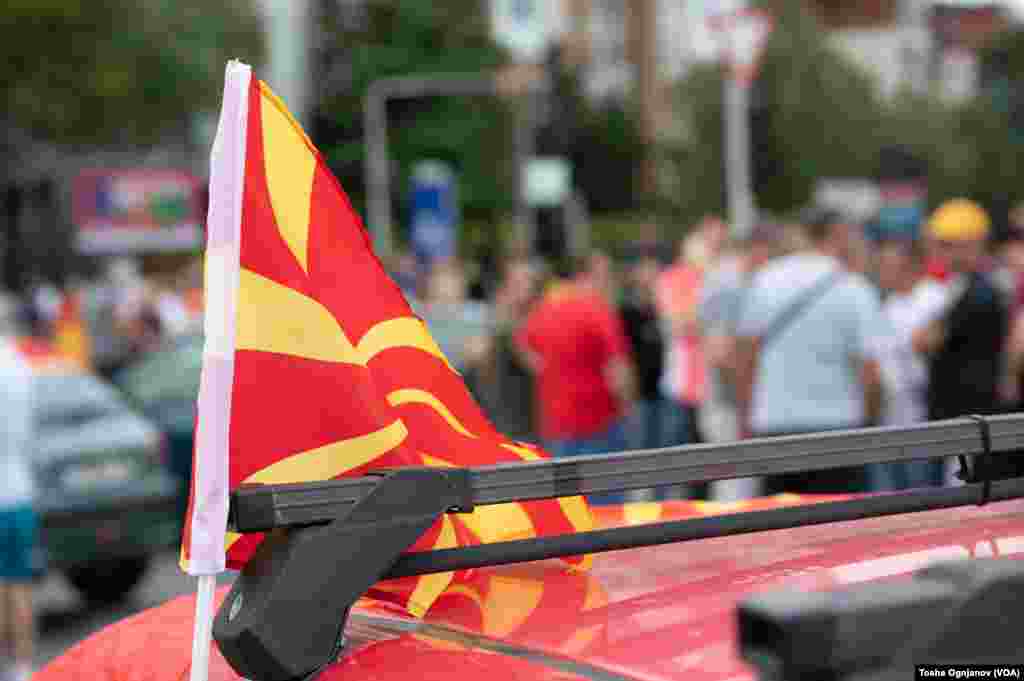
<point>797,307</point>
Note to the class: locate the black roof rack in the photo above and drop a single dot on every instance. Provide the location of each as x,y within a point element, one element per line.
<point>951,616</point>
<point>331,541</point>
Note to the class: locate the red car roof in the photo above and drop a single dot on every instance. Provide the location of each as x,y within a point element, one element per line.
<point>656,613</point>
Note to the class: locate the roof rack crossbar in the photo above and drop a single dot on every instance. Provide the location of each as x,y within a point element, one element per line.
<point>284,617</point>
<point>261,508</point>
<point>1006,432</point>
<point>654,534</point>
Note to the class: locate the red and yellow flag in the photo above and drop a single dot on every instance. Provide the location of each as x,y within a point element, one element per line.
<point>315,366</point>
<point>70,336</point>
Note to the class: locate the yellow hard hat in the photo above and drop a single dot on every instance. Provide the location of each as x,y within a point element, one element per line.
<point>959,220</point>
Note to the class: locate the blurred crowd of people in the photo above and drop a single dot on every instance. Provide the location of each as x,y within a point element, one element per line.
<point>108,321</point>
<point>792,328</point>
<point>806,326</point>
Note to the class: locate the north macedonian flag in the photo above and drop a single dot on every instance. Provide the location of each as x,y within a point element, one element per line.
<point>314,366</point>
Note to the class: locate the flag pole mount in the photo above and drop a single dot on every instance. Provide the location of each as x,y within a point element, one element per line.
<point>202,632</point>
<point>335,563</point>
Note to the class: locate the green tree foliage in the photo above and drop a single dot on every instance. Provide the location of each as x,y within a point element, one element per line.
<point>475,134</point>
<point>407,38</point>
<point>701,168</point>
<point>975,149</point>
<point>821,118</point>
<point>817,117</point>
<point>607,150</point>
<point>992,126</point>
<point>97,71</point>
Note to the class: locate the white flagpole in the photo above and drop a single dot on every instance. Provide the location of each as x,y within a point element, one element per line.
<point>202,633</point>
<point>209,513</point>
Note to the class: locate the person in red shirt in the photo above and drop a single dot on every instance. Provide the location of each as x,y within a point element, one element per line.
<point>574,343</point>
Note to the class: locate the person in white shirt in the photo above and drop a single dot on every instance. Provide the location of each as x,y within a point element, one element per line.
<point>170,309</point>
<point>807,352</point>
<point>718,313</point>
<point>18,521</point>
<point>912,302</point>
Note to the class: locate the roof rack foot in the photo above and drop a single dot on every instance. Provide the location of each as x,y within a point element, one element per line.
<point>265,627</point>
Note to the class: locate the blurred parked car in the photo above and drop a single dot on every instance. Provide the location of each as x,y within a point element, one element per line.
<point>106,499</point>
<point>163,385</point>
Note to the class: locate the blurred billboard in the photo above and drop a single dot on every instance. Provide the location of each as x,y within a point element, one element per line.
<point>136,211</point>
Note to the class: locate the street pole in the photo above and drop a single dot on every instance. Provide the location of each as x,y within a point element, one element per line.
<point>746,34</point>
<point>524,150</point>
<point>378,173</point>
<point>641,27</point>
<point>737,149</point>
<point>289,24</point>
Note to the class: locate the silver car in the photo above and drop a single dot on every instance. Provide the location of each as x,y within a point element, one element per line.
<point>106,499</point>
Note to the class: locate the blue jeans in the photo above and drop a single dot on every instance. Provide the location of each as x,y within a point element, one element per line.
<point>892,477</point>
<point>679,424</point>
<point>19,529</point>
<point>654,424</point>
<point>646,425</point>
<point>613,439</point>
<point>679,428</point>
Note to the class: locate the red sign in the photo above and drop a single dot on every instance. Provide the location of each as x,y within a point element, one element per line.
<point>970,27</point>
<point>137,211</point>
<point>746,32</point>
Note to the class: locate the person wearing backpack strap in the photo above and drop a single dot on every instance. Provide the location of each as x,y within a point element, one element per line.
<point>809,339</point>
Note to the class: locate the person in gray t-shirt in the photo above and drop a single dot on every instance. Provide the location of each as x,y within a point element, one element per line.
<point>718,313</point>
<point>810,338</point>
<point>462,328</point>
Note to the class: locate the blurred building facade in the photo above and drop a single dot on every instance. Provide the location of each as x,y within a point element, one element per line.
<point>921,46</point>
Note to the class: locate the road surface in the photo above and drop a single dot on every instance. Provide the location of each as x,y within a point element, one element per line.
<point>63,619</point>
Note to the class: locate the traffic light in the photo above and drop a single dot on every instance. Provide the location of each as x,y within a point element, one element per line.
<point>552,241</point>
<point>555,140</point>
<point>555,132</point>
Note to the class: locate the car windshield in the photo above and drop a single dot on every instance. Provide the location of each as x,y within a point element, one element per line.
<point>66,400</point>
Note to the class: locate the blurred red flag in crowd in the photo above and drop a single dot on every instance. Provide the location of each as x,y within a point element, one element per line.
<point>71,338</point>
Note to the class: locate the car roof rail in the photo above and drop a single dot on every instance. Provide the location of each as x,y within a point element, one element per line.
<point>330,541</point>
<point>956,615</point>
